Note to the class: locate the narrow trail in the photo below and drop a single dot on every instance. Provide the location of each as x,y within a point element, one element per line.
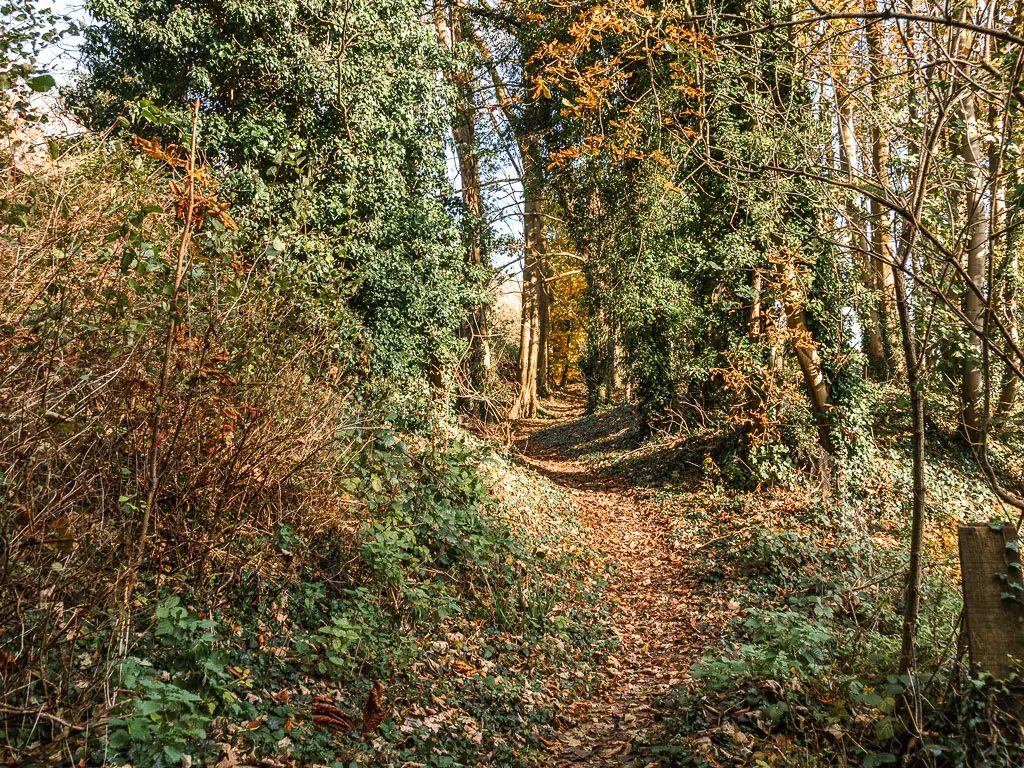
<point>648,590</point>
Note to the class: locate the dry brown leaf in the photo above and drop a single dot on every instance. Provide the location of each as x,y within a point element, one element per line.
<point>374,710</point>
<point>327,715</point>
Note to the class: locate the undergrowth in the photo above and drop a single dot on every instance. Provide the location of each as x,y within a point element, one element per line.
<point>806,673</point>
<point>797,575</point>
<point>326,574</point>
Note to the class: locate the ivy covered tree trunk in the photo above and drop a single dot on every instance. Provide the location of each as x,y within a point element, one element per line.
<point>1011,309</point>
<point>609,364</point>
<point>805,349</point>
<point>1006,255</point>
<point>1006,220</point>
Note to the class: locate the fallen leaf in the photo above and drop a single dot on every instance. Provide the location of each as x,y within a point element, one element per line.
<point>374,711</point>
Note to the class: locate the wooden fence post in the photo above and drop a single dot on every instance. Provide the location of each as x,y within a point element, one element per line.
<point>990,566</point>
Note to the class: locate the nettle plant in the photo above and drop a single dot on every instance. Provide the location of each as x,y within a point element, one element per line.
<point>174,691</point>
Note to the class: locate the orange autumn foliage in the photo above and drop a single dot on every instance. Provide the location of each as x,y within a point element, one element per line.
<point>597,60</point>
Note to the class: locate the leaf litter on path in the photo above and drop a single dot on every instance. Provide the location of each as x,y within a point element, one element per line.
<point>660,624</point>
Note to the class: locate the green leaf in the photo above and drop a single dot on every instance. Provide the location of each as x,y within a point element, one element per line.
<point>41,83</point>
<point>150,706</point>
<point>174,752</point>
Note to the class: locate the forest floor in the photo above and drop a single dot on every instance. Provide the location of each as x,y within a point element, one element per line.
<point>660,621</point>
<point>755,622</point>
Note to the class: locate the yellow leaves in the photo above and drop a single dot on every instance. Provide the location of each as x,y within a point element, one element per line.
<point>670,187</point>
<point>243,674</point>
<point>197,187</point>
<point>612,60</point>
<point>678,71</point>
<point>211,206</point>
<point>540,89</point>
<point>172,155</point>
<point>590,146</point>
<point>568,310</point>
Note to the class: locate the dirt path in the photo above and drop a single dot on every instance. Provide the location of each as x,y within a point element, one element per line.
<point>648,590</point>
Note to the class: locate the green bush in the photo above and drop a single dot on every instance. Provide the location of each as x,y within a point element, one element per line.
<point>175,692</point>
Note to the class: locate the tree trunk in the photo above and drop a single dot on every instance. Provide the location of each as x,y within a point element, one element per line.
<point>1009,296</point>
<point>525,405</point>
<point>914,363</point>
<point>526,128</point>
<point>874,347</point>
<point>883,248</point>
<point>451,32</point>
<point>806,351</point>
<point>810,366</point>
<point>544,325</point>
<point>1008,384</point>
<point>609,364</point>
<point>912,595</point>
<point>977,229</point>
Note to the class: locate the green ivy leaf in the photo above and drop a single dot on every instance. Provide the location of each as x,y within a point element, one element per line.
<point>41,83</point>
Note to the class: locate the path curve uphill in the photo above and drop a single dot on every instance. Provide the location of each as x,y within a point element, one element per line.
<point>649,582</point>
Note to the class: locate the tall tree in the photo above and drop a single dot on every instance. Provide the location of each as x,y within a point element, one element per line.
<point>527,115</point>
<point>452,23</point>
<point>343,156</point>
<point>883,347</point>
<point>976,226</point>
<point>533,277</point>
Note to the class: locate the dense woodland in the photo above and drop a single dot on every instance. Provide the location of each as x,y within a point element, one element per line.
<point>507,382</point>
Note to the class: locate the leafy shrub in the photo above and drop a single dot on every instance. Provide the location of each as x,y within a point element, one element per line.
<point>313,530</point>
<point>810,664</point>
<point>242,439</point>
<point>175,694</point>
<point>780,645</point>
